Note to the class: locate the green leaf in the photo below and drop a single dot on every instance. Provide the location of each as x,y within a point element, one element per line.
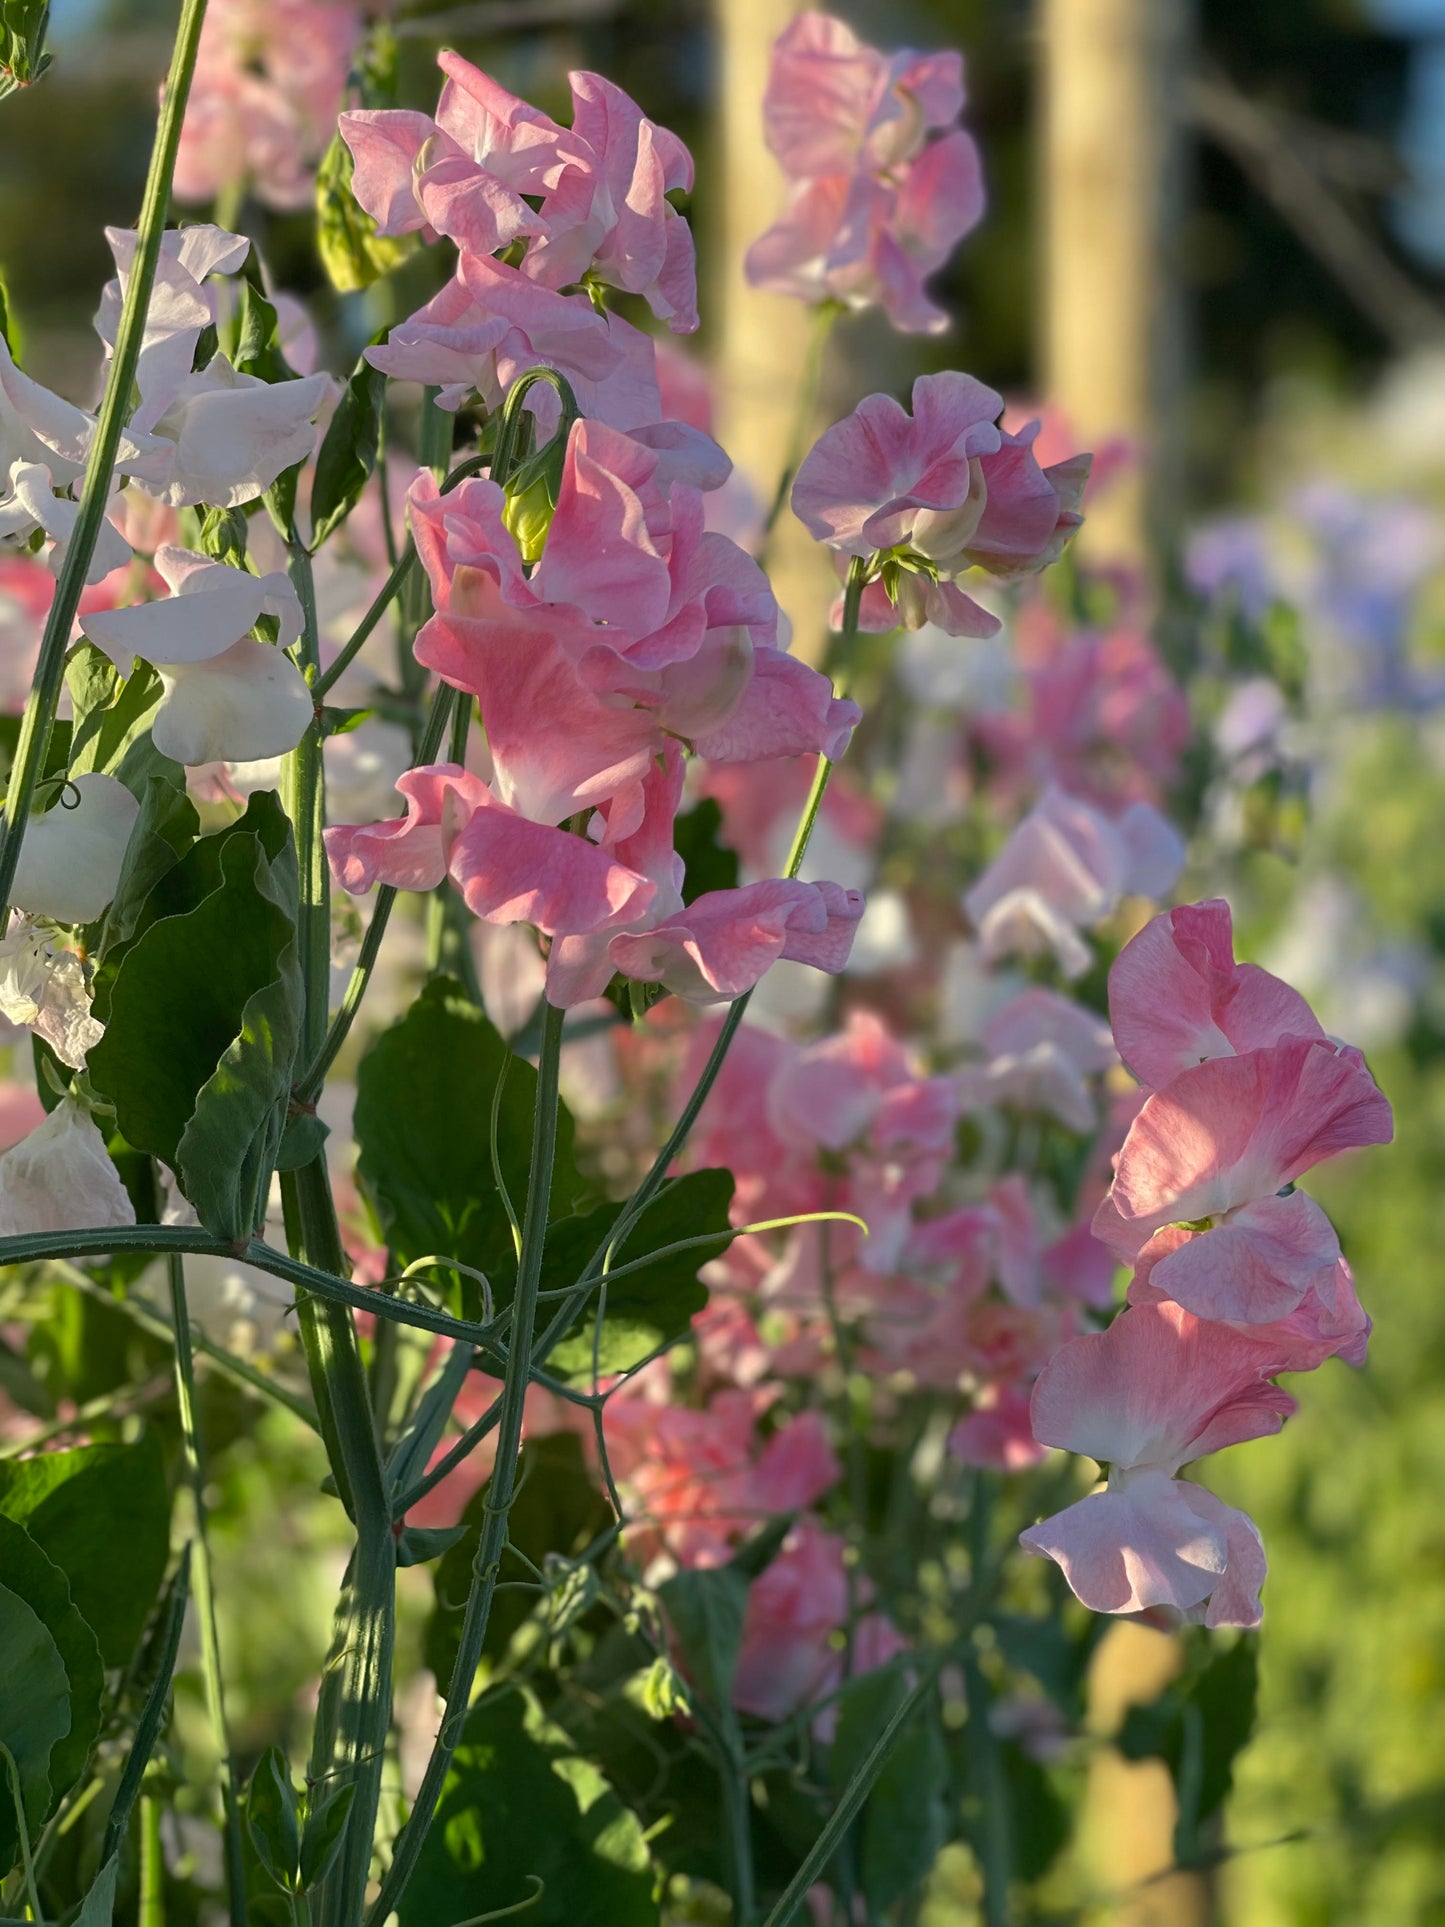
<point>98,1907</point>
<point>708,863</point>
<point>209,1096</point>
<point>110,713</point>
<point>258,334</point>
<point>321,1841</point>
<point>522,1807</point>
<point>557,1510</point>
<point>163,833</point>
<point>102,1514</point>
<point>904,1821</point>
<point>36,1578</point>
<point>647,1307</point>
<point>348,450</point>
<point>273,1820</point>
<point>34,1714</point>
<point>352,252</point>
<point>423,1124</point>
<point>706,1608</point>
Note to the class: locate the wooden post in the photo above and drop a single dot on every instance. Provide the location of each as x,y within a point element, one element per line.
<point>1113,77</point>
<point>764,338</point>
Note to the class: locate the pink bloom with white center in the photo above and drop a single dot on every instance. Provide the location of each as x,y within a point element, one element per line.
<point>270,75</point>
<point>1177,997</point>
<point>876,203</point>
<point>1156,1390</point>
<point>1065,868</point>
<point>1208,1157</point>
<point>946,488</point>
<point>602,185</point>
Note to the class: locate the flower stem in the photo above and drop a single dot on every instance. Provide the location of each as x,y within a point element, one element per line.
<point>44,694</point>
<point>205,1594</point>
<point>503,1487</point>
<point>152,1899</point>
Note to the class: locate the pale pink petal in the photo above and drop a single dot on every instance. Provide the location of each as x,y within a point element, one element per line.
<point>1124,1550</point>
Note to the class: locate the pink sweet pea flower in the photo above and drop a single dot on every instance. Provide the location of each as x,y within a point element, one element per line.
<point>508,869</point>
<point>1328,1322</point>
<point>1043,1048</point>
<point>997,1434</point>
<point>876,205</point>
<point>723,942</point>
<point>473,173</point>
<point>490,324</point>
<point>1195,1200</point>
<point>789,1659</point>
<point>946,489</point>
<point>1177,997</point>
<point>1156,1390</point>
<point>1065,868</point>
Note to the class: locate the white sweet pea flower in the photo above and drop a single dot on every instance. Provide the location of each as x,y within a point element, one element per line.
<point>228,697</point>
<point>33,504</point>
<point>36,426</point>
<point>222,438</point>
<point>71,858</point>
<point>60,1178</point>
<point>181,305</point>
<point>44,988</point>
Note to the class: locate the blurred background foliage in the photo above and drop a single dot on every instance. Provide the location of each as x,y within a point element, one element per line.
<point>1312,460</point>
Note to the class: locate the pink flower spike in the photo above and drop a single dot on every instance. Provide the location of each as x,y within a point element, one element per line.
<point>721,944</point>
<point>1177,997</point>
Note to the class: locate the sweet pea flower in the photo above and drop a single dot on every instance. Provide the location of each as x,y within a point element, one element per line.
<point>70,861</point>
<point>1177,998</point>
<point>997,1434</point>
<point>1042,1050</point>
<point>60,1178</point>
<point>1156,1390</point>
<point>229,697</point>
<point>32,507</point>
<point>875,204</point>
<point>923,497</point>
<point>221,437</point>
<point>270,76</point>
<point>490,324</point>
<point>789,1658</point>
<point>1065,868</point>
<point>474,172</point>
<point>508,868</point>
<point>1328,1322</point>
<point>1203,1199</point>
<point>724,941</point>
<point>43,986</point>
<point>181,304</point>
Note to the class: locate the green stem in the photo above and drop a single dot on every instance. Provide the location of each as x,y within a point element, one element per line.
<point>239,1370</point>
<point>850,1805</point>
<point>152,1910</point>
<point>503,1486</point>
<point>823,321</point>
<point>308,1086</point>
<point>22,1829</point>
<point>45,688</point>
<point>395,582</point>
<point>354,1715</point>
<point>205,1593</point>
<point>101,1241</point>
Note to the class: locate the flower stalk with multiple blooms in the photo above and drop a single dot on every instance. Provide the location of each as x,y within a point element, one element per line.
<point>882,1231</point>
